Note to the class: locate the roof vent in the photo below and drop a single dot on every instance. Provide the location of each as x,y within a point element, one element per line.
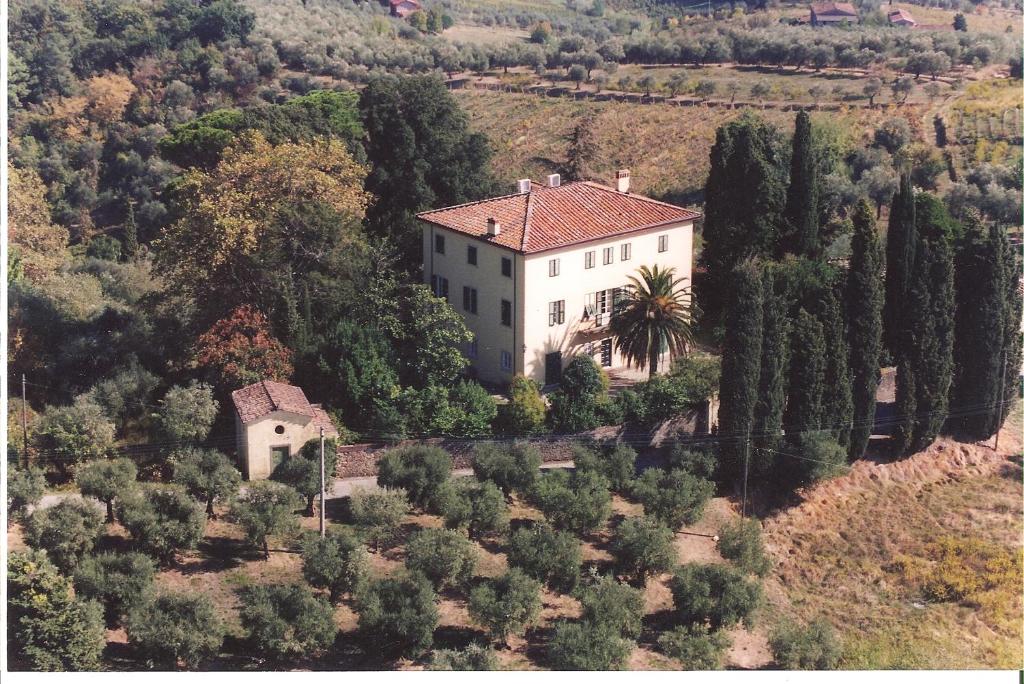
<point>523,185</point>
<point>493,227</point>
<point>554,180</point>
<point>622,180</point>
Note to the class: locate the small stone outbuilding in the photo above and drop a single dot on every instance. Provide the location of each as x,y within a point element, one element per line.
<point>272,422</point>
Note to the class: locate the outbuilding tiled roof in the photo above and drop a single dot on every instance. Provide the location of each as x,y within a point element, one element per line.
<point>322,420</point>
<point>833,8</point>
<point>550,217</point>
<point>266,396</point>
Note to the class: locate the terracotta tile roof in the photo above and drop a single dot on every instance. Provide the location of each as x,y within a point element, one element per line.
<point>901,14</point>
<point>322,420</point>
<point>266,396</point>
<point>832,8</point>
<point>547,218</point>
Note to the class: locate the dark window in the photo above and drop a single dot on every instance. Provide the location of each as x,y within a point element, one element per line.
<point>556,312</point>
<point>471,255</point>
<point>663,243</point>
<point>588,260</point>
<point>439,244</point>
<point>279,429</point>
<point>606,352</point>
<point>469,299</point>
<point>553,268</point>
<point>506,267</point>
<point>506,361</point>
<point>552,368</point>
<point>609,255</point>
<point>439,285</point>
<point>506,312</point>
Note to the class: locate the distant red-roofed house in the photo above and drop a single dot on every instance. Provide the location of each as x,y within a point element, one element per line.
<point>901,17</point>
<point>403,8</point>
<point>537,273</point>
<point>824,13</point>
<point>272,422</point>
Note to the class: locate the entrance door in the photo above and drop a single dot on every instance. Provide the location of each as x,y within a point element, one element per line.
<point>553,368</point>
<point>278,454</point>
<point>606,352</point>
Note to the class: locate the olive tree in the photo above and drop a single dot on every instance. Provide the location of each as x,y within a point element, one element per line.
<point>675,497</point>
<point>811,647</point>
<point>399,614</point>
<point>117,580</point>
<point>336,562</point>
<point>302,471</point>
<point>587,646</point>
<point>208,475</point>
<point>695,646</point>
<point>175,630</point>
<point>266,509</point>
<point>473,658</point>
<point>642,547</point>
<point>286,621</point>
<point>506,605</point>
<point>547,555</point>
<point>512,467</point>
<point>740,542</point>
<point>186,414</point>
<point>67,531</point>
<point>478,506</point>
<point>716,595</point>
<point>25,487</point>
<point>379,514</point>
<point>107,480</point>
<point>579,502</point>
<point>419,470</point>
<point>444,557</point>
<point>609,603</point>
<point>162,520</point>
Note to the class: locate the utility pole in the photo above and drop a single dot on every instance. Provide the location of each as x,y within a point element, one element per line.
<point>24,422</point>
<point>323,488</point>
<point>746,462</point>
<point>999,402</point>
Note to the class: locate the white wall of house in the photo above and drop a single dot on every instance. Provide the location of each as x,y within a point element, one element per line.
<point>257,440</point>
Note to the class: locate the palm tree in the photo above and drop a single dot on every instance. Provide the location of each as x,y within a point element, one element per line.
<point>656,315</point>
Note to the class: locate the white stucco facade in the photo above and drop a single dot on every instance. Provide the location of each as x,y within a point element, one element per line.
<point>261,444</point>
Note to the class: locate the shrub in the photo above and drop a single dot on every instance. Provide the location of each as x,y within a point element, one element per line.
<point>49,629</point>
<point>77,433</point>
<point>697,376</point>
<point>162,520</point>
<point>579,402</point>
<point>475,658</point>
<point>379,513</point>
<point>544,554</point>
<point>419,470</point>
<point>822,458</point>
<point>586,646</point>
<point>337,562</point>
<point>813,647</point>
<point>117,580</point>
<point>478,506</point>
<point>175,628</point>
<point>187,413</point>
<point>208,475</point>
<point>286,621</point>
<point>579,502</point>
<point>642,547</point>
<point>512,467</point>
<point>616,462</point>
<point>698,462</point>
<point>506,605</point>
<point>695,646</point>
<point>66,531</point>
<point>266,509</point>
<point>399,614</point>
<point>674,497</point>
<point>25,487</point>
<point>717,595</point>
<point>106,480</point>
<point>302,471</point>
<point>741,543</point>
<point>616,606</point>
<point>523,415</point>
<point>444,557</point>
<point>963,569</point>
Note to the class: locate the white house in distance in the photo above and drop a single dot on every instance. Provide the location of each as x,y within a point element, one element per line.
<point>536,273</point>
<point>272,421</point>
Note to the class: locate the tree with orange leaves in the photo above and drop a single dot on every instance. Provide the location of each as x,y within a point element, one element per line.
<point>239,350</point>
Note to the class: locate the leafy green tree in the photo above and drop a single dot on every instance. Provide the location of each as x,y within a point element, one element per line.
<point>207,474</point>
<point>674,497</point>
<point>49,628</point>
<point>959,22</point>
<point>512,467</point>
<point>399,614</point>
<point>74,434</point>
<point>25,487</point>
<point>697,461</point>
<point>474,658</point>
<point>744,201</point>
<point>422,155</point>
<point>586,646</point>
<point>801,211</point>
<point>186,414</point>
<point>506,605</point>
<point>478,506</point>
<point>301,472</point>
<point>286,621</point>
<point>642,547</point>
<point>695,646</point>
<point>444,557</point>
<point>106,481</point>
<point>579,402</point>
<point>656,316</point>
<point>117,580</point>
<point>579,502</point>
<point>173,630</point>
<point>814,647</point>
<point>162,520</point>
<point>609,603</point>
<point>900,247</point>
<point>616,462</point>
<point>420,470</point>
<point>836,398</point>
<point>379,514</point>
<point>266,509</point>
<point>821,457</point>
<point>67,531</point>
<point>336,562</point>
<point>583,149</point>
<point>771,396</point>
<point>717,595</point>
<point>806,376</point>
<point>741,361</point>
<point>864,301</point>
<point>474,410</point>
<point>547,555</point>
<point>523,415</point>
<point>431,339</point>
<point>740,542</point>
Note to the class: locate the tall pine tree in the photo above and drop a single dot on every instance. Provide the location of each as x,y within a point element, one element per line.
<point>806,376</point>
<point>1012,341</point>
<point>801,213</point>
<point>864,299</point>
<point>899,260</point>
<point>131,234</point>
<point>836,402</point>
<point>771,392</point>
<point>741,361</point>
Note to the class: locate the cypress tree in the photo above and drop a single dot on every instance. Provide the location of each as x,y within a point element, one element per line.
<point>741,361</point>
<point>864,298</point>
<point>836,401</point>
<point>801,213</point>
<point>771,392</point>
<point>904,408</point>
<point>899,257</point>
<point>1012,341</point>
<point>806,376</point>
<point>131,234</point>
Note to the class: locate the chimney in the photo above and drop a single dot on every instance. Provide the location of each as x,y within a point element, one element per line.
<point>523,185</point>
<point>554,180</point>
<point>622,180</point>
<point>493,227</point>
